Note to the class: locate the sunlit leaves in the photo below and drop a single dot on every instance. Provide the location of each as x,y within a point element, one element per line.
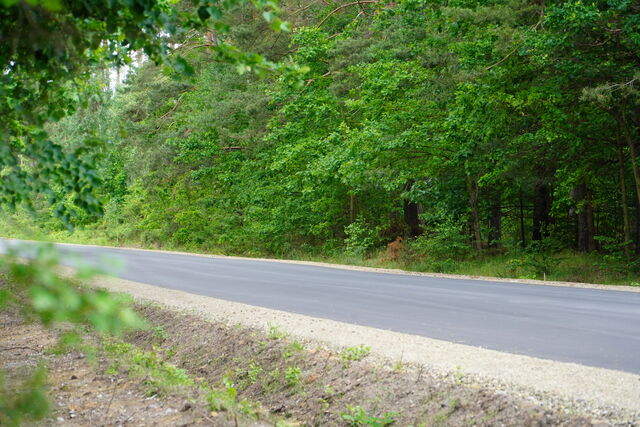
<point>54,299</point>
<point>53,55</point>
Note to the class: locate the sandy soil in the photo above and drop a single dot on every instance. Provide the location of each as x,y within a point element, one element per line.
<point>82,394</point>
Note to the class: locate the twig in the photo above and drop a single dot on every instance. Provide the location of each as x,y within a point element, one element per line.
<point>212,422</point>
<point>360,2</point>
<point>275,41</point>
<point>113,393</point>
<point>533,28</point>
<point>129,417</point>
<point>303,9</point>
<point>362,12</point>
<point>503,59</point>
<point>20,348</point>
<point>326,361</point>
<point>420,373</point>
<point>361,9</point>
<point>172,108</point>
<point>177,104</point>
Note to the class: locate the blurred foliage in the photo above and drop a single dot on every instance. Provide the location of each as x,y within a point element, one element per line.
<point>32,284</point>
<point>57,57</point>
<point>27,404</point>
<point>37,288</point>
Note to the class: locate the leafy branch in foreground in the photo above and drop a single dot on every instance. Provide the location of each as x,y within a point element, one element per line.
<point>35,287</point>
<point>28,404</point>
<point>57,56</point>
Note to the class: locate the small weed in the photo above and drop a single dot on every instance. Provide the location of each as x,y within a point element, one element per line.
<point>160,333</point>
<point>113,369</point>
<point>458,374</point>
<point>441,418</point>
<point>68,341</point>
<point>272,382</point>
<point>292,375</point>
<point>170,352</point>
<point>218,401</point>
<point>230,388</point>
<point>275,374</point>
<point>329,391</point>
<point>160,377</point>
<point>350,354</point>
<point>253,372</point>
<point>275,333</point>
<point>356,416</point>
<point>293,348</point>
<point>324,402</point>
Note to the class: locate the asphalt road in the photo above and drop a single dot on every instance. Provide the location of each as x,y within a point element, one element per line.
<point>587,326</point>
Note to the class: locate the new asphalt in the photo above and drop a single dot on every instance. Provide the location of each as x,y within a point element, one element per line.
<point>587,326</point>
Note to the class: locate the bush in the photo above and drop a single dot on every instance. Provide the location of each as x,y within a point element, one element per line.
<point>361,237</point>
<point>537,261</point>
<point>445,241</point>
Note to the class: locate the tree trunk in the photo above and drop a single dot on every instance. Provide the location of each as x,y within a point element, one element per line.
<point>633,152</point>
<point>411,212</point>
<point>637,226</point>
<point>352,208</point>
<point>541,210</point>
<point>523,237</point>
<point>586,226</point>
<point>139,58</point>
<point>472,189</point>
<point>625,207</point>
<point>411,218</point>
<point>495,223</point>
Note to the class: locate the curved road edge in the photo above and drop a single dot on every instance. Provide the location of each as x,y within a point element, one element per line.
<point>537,378</point>
<point>380,270</point>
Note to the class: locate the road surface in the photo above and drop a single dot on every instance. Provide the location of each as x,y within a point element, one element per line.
<point>588,326</point>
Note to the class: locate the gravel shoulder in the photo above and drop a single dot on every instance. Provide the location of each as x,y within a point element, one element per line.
<point>603,393</point>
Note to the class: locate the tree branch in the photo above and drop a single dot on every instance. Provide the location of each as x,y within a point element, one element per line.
<point>358,3</point>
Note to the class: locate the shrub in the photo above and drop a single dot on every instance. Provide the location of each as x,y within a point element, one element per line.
<point>361,237</point>
<point>445,241</point>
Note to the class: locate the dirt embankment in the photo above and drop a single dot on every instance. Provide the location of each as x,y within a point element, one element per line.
<point>294,382</point>
<point>315,385</point>
<point>83,392</point>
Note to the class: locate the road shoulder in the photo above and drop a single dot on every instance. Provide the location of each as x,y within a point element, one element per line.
<point>595,391</point>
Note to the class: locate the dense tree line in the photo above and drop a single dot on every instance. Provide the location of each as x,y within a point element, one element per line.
<point>468,126</point>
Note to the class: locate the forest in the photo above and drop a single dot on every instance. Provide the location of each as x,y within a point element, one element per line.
<point>496,137</point>
<point>481,138</point>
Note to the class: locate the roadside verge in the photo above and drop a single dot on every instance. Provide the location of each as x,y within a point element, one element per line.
<point>595,391</point>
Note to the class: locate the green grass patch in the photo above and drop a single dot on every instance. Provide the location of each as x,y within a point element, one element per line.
<point>161,378</point>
